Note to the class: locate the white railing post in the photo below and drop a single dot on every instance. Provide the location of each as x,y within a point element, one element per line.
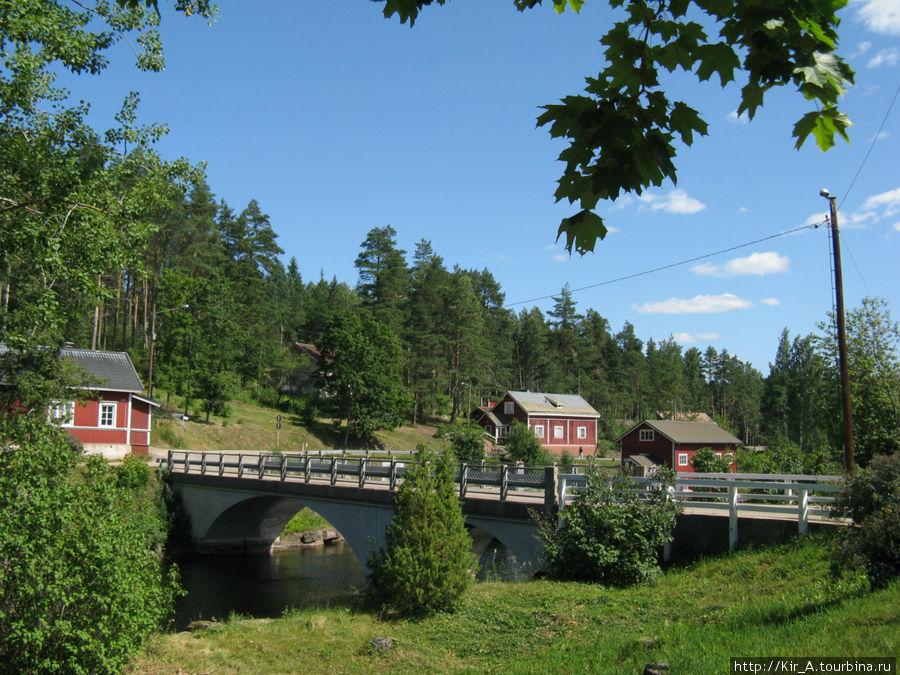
<point>187,461</point>
<point>803,509</point>
<point>362,471</point>
<point>732,517</point>
<point>504,470</point>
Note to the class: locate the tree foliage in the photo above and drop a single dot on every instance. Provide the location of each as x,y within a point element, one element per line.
<point>466,441</point>
<point>426,565</point>
<point>610,534</point>
<point>623,130</point>
<point>522,445</point>
<point>707,461</point>
<point>81,581</point>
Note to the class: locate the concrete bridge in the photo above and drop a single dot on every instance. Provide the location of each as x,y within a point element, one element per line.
<point>241,502</point>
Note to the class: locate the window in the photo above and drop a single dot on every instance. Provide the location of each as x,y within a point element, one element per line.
<point>682,459</point>
<point>501,432</point>
<point>509,408</point>
<point>559,431</point>
<point>646,435</point>
<point>107,414</point>
<point>581,432</point>
<point>539,430</point>
<point>63,413</point>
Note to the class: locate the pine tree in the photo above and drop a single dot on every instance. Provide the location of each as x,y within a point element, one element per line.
<point>427,564</point>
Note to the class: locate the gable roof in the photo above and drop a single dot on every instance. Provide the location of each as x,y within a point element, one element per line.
<point>688,432</point>
<point>536,403</point>
<point>113,371</point>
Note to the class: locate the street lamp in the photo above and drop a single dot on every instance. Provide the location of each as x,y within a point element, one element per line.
<point>849,464</point>
<point>153,344</point>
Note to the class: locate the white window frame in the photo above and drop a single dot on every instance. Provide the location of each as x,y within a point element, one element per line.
<point>63,413</point>
<point>538,430</point>
<point>645,435</point>
<point>502,431</point>
<point>559,431</point>
<point>509,407</point>
<point>581,432</point>
<point>683,459</point>
<point>105,406</point>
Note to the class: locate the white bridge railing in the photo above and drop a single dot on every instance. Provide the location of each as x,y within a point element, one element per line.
<point>484,480</point>
<point>776,496</point>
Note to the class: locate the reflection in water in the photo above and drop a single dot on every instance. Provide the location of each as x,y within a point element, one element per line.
<point>265,585</point>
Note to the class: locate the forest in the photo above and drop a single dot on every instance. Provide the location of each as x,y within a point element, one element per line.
<point>416,339</point>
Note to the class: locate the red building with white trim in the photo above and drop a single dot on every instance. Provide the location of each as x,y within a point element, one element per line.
<point>115,418</point>
<point>561,422</point>
<point>674,444</point>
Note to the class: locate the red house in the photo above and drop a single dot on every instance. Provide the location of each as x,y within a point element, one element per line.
<point>673,444</point>
<point>115,418</point>
<point>559,421</point>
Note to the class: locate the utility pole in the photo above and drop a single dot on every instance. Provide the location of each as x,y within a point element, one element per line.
<point>849,464</point>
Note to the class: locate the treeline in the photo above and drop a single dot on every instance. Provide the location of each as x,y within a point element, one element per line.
<point>416,338</point>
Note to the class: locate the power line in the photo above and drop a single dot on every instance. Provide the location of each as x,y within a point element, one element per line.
<point>675,264</point>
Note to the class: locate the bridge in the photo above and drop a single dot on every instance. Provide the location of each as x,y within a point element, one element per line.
<point>242,501</point>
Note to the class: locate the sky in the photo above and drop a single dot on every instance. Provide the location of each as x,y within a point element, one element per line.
<point>337,120</point>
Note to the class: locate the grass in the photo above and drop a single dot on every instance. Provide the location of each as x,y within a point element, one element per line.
<point>778,601</point>
<point>254,427</point>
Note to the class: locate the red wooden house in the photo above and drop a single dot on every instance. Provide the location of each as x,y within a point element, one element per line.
<point>673,444</point>
<point>115,417</point>
<point>561,422</point>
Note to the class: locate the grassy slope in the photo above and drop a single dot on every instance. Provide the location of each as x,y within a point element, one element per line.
<point>253,427</point>
<point>771,602</point>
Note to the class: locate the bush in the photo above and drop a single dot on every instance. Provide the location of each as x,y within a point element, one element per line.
<point>466,441</point>
<point>133,473</point>
<point>427,564</point>
<point>610,534</point>
<point>707,461</point>
<point>81,585</point>
<point>523,446</point>
<point>872,499</point>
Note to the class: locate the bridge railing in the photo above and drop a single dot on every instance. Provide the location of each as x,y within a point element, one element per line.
<point>753,495</point>
<point>474,480</point>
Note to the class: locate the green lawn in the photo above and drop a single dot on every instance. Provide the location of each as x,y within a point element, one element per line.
<point>777,601</point>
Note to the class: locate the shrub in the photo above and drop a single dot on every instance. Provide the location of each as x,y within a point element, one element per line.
<point>611,534</point>
<point>427,564</point>
<point>466,441</point>
<point>523,446</point>
<point>133,473</point>
<point>707,461</point>
<point>872,499</point>
<point>81,585</point>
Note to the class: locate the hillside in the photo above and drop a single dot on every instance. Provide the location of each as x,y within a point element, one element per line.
<point>253,427</point>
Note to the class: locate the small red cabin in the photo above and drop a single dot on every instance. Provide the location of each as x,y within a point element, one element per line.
<point>115,417</point>
<point>673,444</point>
<point>561,422</point>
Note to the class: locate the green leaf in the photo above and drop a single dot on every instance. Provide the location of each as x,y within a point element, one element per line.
<point>685,120</point>
<point>582,231</point>
<point>823,124</point>
<point>717,58</point>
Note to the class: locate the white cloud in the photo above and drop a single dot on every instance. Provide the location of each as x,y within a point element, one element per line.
<point>737,119</point>
<point>687,338</point>
<point>699,304</point>
<point>756,263</point>
<point>559,257</point>
<point>896,227</point>
<point>817,218</point>
<point>889,201</point>
<point>772,302</point>
<point>677,201</point>
<point>880,16</point>
<point>886,57</point>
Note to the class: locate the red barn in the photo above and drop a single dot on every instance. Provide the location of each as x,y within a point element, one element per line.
<point>559,421</point>
<point>115,418</point>
<point>673,444</point>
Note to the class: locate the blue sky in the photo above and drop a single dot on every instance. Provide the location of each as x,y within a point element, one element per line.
<point>338,120</point>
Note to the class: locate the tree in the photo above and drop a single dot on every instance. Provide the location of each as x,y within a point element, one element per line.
<point>81,582</point>
<point>610,534</point>
<point>621,131</point>
<point>466,441</point>
<point>707,461</point>
<point>427,563</point>
<point>523,446</point>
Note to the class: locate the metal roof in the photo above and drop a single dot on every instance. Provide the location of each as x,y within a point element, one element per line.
<point>535,403</point>
<point>113,371</point>
<point>689,432</point>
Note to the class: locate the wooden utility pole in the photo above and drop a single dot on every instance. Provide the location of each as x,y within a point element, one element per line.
<point>849,464</point>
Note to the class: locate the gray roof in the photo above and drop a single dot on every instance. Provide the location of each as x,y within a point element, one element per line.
<point>642,460</point>
<point>112,371</point>
<point>690,432</point>
<point>557,404</point>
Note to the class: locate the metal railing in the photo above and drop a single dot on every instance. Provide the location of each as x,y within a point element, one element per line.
<point>776,496</point>
<point>474,480</point>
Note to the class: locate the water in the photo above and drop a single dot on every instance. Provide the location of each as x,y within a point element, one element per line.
<point>264,585</point>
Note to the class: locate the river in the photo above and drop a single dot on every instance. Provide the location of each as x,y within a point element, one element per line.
<point>264,585</point>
